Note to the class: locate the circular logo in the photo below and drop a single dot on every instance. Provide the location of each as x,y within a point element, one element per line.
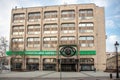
<point>68,51</point>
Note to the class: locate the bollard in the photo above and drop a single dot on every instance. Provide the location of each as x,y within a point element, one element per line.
<point>110,75</point>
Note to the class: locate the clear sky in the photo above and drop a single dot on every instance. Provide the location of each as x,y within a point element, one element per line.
<point>112,15</point>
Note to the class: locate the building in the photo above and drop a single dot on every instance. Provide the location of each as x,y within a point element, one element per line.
<point>65,37</point>
<point>111,62</point>
<point>110,54</point>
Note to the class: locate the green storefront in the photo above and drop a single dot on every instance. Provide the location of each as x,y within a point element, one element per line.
<point>67,64</point>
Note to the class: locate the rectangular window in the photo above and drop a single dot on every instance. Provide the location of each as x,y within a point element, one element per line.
<point>33,29</point>
<point>86,41</point>
<point>86,27</point>
<point>19,17</point>
<point>50,15</point>
<point>83,45</point>
<point>50,28</point>
<point>50,42</point>
<point>18,30</point>
<point>50,25</point>
<point>90,44</point>
<point>17,40</point>
<point>33,42</point>
<point>68,25</point>
<point>67,38</point>
<point>86,24</point>
<point>90,38</point>
<point>82,38</point>
<point>17,43</point>
<point>68,28</point>
<point>67,14</point>
<point>86,13</point>
<point>34,16</point>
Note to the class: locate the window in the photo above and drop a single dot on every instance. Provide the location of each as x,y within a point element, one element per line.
<point>86,27</point>
<point>89,38</point>
<point>32,60</point>
<point>33,29</point>
<point>18,30</point>
<point>50,39</point>
<point>68,25</point>
<point>68,31</point>
<point>68,14</point>
<point>50,15</point>
<point>86,24</point>
<point>91,45</point>
<point>50,28</point>
<point>67,38</point>
<point>83,45</point>
<point>82,38</point>
<point>86,38</point>
<point>86,41</point>
<point>50,42</point>
<point>33,39</point>
<point>68,28</point>
<point>86,13</point>
<point>34,16</point>
<point>17,43</point>
<point>19,17</point>
<point>33,42</point>
<point>46,39</point>
<point>17,40</point>
<point>50,25</point>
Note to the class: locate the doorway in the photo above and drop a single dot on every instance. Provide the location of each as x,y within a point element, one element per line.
<point>68,67</point>
<point>87,67</point>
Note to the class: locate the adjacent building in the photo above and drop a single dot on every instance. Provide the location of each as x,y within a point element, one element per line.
<point>111,62</point>
<point>64,37</point>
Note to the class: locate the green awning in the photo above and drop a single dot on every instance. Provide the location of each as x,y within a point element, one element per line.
<point>43,53</point>
<point>87,52</point>
<point>47,53</point>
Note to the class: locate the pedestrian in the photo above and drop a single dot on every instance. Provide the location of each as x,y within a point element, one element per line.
<point>94,69</point>
<point>111,76</point>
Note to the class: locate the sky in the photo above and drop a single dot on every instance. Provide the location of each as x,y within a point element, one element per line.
<point>112,15</point>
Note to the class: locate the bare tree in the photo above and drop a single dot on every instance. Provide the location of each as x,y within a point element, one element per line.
<point>3,45</point>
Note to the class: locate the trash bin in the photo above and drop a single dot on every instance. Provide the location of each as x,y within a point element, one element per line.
<point>110,75</point>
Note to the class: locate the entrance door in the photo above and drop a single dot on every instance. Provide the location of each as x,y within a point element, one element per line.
<point>68,67</point>
<point>32,66</point>
<point>87,67</point>
<point>16,66</point>
<point>51,67</point>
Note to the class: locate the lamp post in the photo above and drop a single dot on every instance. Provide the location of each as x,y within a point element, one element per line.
<point>60,65</point>
<point>116,48</point>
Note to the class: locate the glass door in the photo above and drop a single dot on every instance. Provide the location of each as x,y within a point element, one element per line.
<point>87,67</point>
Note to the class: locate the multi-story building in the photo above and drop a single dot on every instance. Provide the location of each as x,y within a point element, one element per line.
<point>111,62</point>
<point>65,37</point>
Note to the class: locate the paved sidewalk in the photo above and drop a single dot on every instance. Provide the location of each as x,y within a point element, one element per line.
<point>53,75</point>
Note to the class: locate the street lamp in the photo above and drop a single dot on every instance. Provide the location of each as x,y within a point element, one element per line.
<point>116,48</point>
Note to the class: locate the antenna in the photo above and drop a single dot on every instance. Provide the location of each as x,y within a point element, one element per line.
<point>65,3</point>
<point>15,7</point>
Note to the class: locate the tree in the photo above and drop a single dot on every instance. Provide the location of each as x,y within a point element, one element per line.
<point>3,45</point>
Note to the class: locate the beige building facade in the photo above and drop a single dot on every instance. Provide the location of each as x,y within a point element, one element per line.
<point>65,37</point>
<point>111,62</point>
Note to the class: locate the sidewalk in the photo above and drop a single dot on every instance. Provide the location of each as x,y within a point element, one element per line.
<point>56,75</point>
